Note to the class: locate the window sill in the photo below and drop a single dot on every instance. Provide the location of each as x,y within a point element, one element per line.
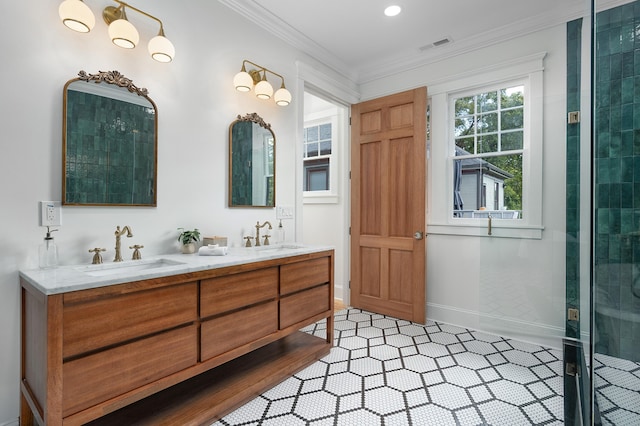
<point>481,230</point>
<point>321,197</point>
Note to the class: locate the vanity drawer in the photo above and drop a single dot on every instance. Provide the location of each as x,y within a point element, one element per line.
<point>300,275</point>
<point>98,377</point>
<point>230,331</point>
<point>97,323</point>
<point>303,305</point>
<point>224,294</point>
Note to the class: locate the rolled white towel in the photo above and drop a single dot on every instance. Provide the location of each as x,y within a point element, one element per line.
<point>212,251</point>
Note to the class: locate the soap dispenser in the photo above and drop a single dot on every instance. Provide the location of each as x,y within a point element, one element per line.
<point>280,233</point>
<point>48,251</point>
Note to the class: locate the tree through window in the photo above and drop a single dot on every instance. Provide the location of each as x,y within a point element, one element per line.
<point>489,146</point>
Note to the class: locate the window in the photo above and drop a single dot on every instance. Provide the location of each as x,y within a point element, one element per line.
<point>317,142</point>
<point>488,121</point>
<point>489,133</point>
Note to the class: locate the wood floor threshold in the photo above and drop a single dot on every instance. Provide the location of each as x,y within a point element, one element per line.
<point>209,396</point>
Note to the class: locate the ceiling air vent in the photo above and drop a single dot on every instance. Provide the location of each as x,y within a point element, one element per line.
<point>435,44</point>
<point>441,42</point>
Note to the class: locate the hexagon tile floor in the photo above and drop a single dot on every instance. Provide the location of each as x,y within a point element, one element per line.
<point>384,371</point>
<point>617,390</point>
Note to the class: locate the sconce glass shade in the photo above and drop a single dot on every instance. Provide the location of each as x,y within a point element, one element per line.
<point>161,49</point>
<point>77,16</point>
<point>123,34</point>
<point>282,96</point>
<point>243,82</point>
<point>264,90</point>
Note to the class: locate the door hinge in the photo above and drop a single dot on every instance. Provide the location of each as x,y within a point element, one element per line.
<point>573,314</point>
<point>573,117</point>
<point>349,284</point>
<point>349,174</point>
<point>349,230</point>
<point>349,121</point>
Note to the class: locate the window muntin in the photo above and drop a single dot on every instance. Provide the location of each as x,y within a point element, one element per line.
<point>489,135</point>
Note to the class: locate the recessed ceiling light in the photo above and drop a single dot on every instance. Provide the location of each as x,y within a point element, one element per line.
<point>392,10</point>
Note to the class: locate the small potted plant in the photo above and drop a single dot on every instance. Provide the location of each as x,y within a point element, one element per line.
<point>188,239</point>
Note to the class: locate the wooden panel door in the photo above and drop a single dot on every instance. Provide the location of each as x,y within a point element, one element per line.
<point>388,180</point>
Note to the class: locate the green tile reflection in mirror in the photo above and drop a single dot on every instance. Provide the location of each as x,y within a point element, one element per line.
<point>252,146</point>
<point>109,143</point>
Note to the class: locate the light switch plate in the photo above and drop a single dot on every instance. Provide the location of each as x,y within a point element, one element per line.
<point>284,212</point>
<point>50,213</point>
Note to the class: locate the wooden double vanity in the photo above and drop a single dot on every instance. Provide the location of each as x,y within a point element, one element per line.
<point>182,344</point>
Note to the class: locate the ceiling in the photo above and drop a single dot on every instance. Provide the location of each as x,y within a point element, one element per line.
<point>356,39</point>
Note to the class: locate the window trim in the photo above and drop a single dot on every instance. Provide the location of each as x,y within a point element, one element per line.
<point>527,71</point>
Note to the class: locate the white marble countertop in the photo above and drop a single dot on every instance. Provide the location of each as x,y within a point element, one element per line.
<point>64,279</point>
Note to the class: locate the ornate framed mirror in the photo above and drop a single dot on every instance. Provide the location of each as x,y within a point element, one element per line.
<point>109,142</point>
<point>252,162</point>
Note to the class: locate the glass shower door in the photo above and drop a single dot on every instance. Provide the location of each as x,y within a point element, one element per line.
<point>616,214</point>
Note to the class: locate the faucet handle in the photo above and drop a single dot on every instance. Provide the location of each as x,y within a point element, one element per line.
<point>248,243</point>
<point>136,252</point>
<point>266,239</point>
<point>97,258</point>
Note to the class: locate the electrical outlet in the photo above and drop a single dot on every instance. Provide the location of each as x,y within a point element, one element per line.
<point>50,213</point>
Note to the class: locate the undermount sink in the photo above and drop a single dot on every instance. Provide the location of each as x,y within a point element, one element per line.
<point>127,267</point>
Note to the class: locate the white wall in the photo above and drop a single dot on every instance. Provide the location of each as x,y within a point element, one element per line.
<point>512,287</point>
<point>196,103</point>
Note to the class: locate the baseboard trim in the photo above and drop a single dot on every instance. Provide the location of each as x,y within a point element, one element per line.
<point>535,333</point>
<point>15,422</point>
<point>338,292</point>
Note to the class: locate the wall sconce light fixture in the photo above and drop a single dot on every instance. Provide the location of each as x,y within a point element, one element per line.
<point>245,80</point>
<point>79,17</point>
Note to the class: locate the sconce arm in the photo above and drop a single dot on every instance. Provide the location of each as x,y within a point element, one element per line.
<point>258,66</point>
<point>114,14</point>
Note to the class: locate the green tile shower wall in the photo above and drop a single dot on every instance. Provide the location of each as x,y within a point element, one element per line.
<point>617,180</point>
<point>242,156</point>
<point>110,153</point>
<point>574,46</point>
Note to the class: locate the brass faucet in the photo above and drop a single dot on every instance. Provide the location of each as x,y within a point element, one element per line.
<point>118,234</point>
<point>136,251</point>
<point>97,258</point>
<point>258,226</point>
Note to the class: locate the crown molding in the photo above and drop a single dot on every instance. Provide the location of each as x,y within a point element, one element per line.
<point>265,19</point>
<point>379,69</point>
<point>374,71</point>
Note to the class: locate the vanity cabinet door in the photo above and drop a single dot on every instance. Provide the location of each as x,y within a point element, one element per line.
<point>306,274</point>
<point>92,379</point>
<point>91,323</point>
<point>230,331</point>
<point>231,292</point>
<point>302,305</point>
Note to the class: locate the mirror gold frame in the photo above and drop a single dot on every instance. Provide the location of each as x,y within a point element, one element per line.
<point>109,142</point>
<point>252,163</point>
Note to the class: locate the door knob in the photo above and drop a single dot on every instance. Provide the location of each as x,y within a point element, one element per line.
<point>418,235</point>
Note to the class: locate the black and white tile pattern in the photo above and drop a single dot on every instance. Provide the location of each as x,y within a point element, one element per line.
<point>385,371</point>
<point>617,390</point>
